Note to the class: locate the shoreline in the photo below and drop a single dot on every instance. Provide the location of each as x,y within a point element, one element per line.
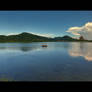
<point>46,41</point>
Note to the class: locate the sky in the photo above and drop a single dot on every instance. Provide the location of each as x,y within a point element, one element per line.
<point>45,23</point>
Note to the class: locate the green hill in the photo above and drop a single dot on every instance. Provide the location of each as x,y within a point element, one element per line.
<point>65,38</point>
<point>28,37</point>
<point>23,37</point>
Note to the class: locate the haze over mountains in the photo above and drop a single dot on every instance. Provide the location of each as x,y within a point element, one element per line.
<point>29,37</point>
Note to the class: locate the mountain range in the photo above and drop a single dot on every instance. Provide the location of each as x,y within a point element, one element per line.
<point>29,37</point>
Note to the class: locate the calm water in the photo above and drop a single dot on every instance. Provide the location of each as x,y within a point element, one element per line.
<point>60,61</point>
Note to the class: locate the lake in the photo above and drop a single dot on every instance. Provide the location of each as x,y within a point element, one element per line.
<point>60,61</point>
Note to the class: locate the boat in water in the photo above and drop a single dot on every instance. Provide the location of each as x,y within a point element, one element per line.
<point>44,45</point>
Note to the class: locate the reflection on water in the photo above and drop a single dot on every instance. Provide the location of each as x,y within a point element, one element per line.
<point>32,62</point>
<point>19,47</point>
<point>24,49</point>
<point>32,46</point>
<point>81,49</point>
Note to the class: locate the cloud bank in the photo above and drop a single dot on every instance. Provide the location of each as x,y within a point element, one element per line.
<point>85,31</point>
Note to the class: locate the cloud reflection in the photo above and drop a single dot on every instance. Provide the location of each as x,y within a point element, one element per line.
<point>81,49</point>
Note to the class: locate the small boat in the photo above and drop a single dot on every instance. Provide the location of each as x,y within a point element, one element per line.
<point>44,45</point>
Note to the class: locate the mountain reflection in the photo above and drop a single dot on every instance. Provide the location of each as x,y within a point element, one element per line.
<point>24,49</point>
<point>81,49</point>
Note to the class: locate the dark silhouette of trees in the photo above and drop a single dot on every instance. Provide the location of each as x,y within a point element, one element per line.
<point>81,38</point>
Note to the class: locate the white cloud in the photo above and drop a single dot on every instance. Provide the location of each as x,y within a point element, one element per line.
<point>85,31</point>
<point>12,34</point>
<point>45,35</point>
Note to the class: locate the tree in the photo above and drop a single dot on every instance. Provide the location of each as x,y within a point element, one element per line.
<point>81,38</point>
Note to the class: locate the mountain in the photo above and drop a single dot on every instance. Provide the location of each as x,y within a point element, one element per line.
<point>64,38</point>
<point>23,37</point>
<point>28,37</point>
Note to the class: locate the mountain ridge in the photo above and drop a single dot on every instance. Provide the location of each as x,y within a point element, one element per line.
<point>29,37</point>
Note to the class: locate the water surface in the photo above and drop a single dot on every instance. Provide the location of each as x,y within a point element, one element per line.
<point>60,61</point>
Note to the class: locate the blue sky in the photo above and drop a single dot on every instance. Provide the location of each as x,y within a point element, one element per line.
<point>54,23</point>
